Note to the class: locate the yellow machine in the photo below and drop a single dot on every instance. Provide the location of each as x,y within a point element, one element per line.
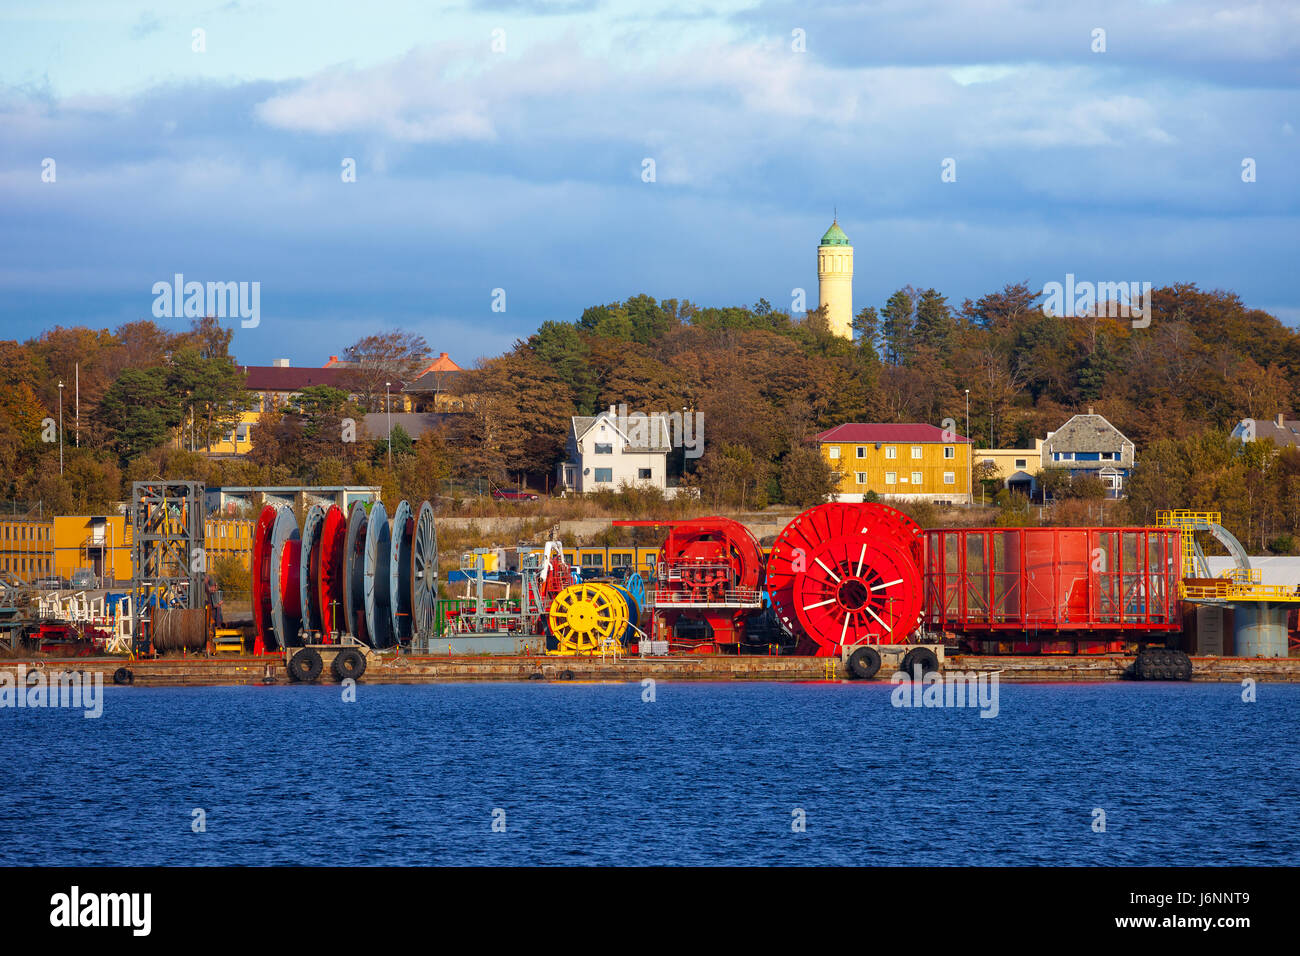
<point>587,619</point>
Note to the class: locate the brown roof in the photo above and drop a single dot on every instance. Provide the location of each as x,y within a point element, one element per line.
<point>275,378</point>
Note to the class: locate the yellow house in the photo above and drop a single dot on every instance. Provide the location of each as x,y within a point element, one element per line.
<point>904,462</point>
<point>26,548</point>
<point>1014,467</point>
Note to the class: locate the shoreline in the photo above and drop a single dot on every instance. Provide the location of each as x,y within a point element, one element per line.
<point>389,669</point>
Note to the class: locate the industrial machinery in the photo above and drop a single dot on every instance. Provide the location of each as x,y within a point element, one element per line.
<point>706,584</point>
<point>1053,590</point>
<point>842,575</point>
<point>590,618</point>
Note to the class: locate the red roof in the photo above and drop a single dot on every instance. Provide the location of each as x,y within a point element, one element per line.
<point>866,432</point>
<point>275,378</point>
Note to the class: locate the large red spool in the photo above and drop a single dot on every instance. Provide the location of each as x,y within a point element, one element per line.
<point>263,631</point>
<point>845,573</point>
<point>327,568</point>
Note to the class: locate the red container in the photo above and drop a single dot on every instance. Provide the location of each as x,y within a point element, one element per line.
<point>1052,590</point>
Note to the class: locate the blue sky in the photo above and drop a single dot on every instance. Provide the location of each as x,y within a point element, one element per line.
<point>522,170</point>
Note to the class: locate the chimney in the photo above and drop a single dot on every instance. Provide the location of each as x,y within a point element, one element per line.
<point>1280,420</point>
<point>442,355</point>
<point>1089,409</point>
<point>281,363</point>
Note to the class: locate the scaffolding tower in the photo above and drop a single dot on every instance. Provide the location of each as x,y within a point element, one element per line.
<point>168,561</point>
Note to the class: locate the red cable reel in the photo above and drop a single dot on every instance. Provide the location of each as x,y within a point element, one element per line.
<point>847,574</point>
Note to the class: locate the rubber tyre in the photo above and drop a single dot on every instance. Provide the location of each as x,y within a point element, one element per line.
<point>864,663</point>
<point>536,676</point>
<point>349,663</point>
<point>922,657</point>
<point>566,675</point>
<point>123,676</point>
<point>305,666</point>
<point>1182,665</point>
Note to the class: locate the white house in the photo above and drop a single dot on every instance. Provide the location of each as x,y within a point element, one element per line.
<point>606,451</point>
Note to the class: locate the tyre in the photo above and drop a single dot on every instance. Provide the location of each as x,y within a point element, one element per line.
<point>864,663</point>
<point>123,676</point>
<point>1182,665</point>
<point>349,663</point>
<point>566,675</point>
<point>922,658</point>
<point>305,666</point>
<point>536,676</point>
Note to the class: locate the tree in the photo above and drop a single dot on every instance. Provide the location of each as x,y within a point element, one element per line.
<point>395,357</point>
<point>139,411</point>
<point>807,479</point>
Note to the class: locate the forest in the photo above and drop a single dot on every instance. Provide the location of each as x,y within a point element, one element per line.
<point>766,381</point>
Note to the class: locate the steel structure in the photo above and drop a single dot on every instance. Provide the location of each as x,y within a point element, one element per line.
<point>1260,611</point>
<point>843,574</point>
<point>167,551</point>
<point>1053,590</point>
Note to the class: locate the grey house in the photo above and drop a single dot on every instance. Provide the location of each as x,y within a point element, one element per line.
<point>1089,444</point>
<point>1285,432</point>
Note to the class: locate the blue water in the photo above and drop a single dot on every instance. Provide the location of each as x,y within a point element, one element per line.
<point>706,774</point>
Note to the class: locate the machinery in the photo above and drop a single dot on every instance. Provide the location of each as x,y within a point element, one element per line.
<point>706,585</point>
<point>842,575</point>
<point>591,618</point>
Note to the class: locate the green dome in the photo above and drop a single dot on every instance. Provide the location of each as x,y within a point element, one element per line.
<point>835,236</point>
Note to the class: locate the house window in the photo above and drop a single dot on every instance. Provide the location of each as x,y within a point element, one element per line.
<point>604,475</point>
<point>949,451</point>
<point>916,451</point>
<point>891,452</point>
<point>604,449</point>
<point>1107,456</point>
<point>862,451</point>
<point>861,477</point>
<point>916,477</point>
<point>643,474</point>
<point>949,478</point>
<point>1021,462</point>
<point>833,452</point>
<point>891,477</point>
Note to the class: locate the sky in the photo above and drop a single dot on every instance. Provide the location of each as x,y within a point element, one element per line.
<point>502,155</point>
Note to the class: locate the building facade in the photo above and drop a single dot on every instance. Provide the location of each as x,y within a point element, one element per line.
<point>606,453</point>
<point>1091,445</point>
<point>835,280</point>
<point>26,549</point>
<point>1015,468</point>
<point>903,462</point>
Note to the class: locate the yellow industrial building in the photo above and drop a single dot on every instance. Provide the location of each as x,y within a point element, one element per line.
<point>32,548</point>
<point>903,462</point>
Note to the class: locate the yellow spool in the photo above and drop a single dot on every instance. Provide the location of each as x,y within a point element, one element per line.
<point>585,618</point>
